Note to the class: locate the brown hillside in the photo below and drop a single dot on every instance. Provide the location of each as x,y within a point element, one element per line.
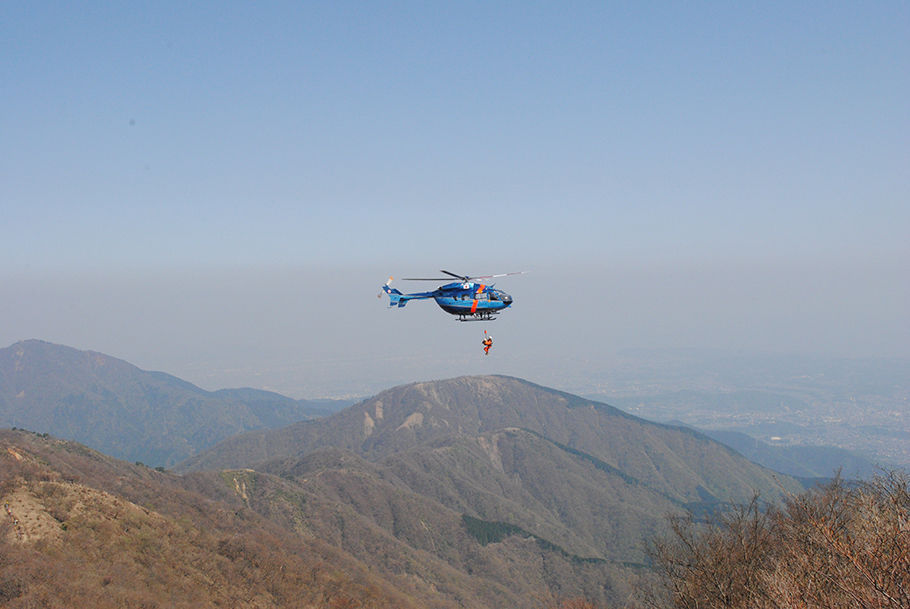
<point>80,529</point>
<point>368,511</point>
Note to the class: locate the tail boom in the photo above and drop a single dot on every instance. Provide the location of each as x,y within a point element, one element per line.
<point>397,299</point>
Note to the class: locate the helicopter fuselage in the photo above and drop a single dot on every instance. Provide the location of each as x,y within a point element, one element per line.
<point>469,301</point>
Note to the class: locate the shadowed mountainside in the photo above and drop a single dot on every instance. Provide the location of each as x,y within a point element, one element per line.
<point>126,412</point>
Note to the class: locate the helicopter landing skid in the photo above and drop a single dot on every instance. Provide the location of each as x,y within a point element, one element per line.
<point>478,317</point>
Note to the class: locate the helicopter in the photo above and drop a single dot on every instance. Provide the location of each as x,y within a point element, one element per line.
<point>465,298</point>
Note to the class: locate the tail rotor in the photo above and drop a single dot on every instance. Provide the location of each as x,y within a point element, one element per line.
<point>388,284</point>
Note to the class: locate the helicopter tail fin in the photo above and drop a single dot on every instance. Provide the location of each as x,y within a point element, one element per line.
<point>396,298</point>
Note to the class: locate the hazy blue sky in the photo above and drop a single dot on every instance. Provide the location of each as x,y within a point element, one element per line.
<point>217,190</point>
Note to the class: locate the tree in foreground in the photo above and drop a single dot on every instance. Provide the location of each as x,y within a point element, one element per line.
<point>838,546</point>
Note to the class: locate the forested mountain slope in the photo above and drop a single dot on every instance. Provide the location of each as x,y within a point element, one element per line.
<point>126,412</point>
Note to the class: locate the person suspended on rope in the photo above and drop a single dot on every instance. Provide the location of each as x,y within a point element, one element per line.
<point>487,342</point>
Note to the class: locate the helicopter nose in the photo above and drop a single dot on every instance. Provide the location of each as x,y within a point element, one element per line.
<point>507,299</point>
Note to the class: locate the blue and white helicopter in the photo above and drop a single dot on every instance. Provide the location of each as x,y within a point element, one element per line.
<point>466,298</point>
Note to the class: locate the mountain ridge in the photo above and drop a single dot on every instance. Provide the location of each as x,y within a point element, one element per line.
<point>405,416</point>
<point>116,407</point>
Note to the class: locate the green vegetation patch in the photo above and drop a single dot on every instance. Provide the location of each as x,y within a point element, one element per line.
<point>488,531</point>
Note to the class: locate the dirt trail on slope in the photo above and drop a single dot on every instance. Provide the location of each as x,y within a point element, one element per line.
<point>29,519</point>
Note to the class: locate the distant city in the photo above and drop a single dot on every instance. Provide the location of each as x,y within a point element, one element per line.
<point>862,405</point>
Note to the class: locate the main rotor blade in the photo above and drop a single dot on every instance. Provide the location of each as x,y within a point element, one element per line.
<point>499,275</point>
<point>426,278</point>
<point>462,277</point>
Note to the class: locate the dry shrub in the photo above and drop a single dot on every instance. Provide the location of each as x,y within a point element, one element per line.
<point>838,546</point>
